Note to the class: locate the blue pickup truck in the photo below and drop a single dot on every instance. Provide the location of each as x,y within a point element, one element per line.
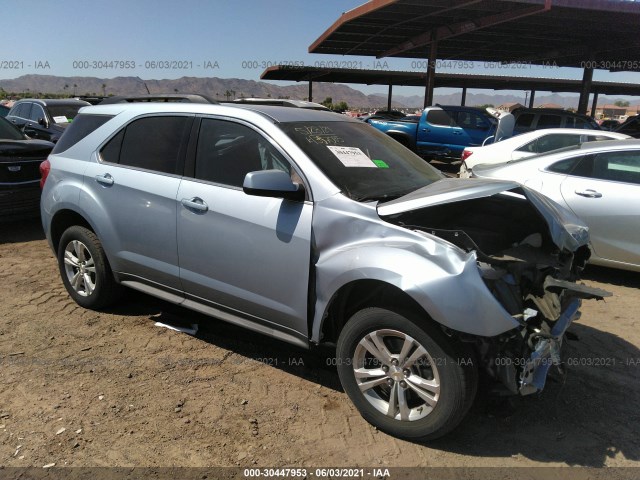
<point>442,131</point>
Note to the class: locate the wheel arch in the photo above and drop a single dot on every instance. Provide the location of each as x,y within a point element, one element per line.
<point>62,220</point>
<point>359,294</point>
<point>402,138</point>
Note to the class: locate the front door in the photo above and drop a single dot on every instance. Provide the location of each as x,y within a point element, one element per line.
<point>247,254</point>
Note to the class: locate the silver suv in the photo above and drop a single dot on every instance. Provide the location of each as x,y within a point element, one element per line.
<point>314,228</point>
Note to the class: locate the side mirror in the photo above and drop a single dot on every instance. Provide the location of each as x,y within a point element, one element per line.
<point>272,183</point>
<point>43,122</point>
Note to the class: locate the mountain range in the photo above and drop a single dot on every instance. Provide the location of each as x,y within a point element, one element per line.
<point>223,88</point>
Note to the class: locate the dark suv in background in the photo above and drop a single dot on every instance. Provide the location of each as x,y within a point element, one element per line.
<point>44,119</point>
<point>630,127</point>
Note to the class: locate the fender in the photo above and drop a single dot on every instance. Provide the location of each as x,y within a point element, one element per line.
<point>411,141</point>
<point>443,279</point>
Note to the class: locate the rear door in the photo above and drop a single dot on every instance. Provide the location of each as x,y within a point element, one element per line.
<point>601,190</point>
<point>437,132</point>
<point>19,114</point>
<point>247,255</point>
<point>476,128</point>
<point>33,127</point>
<point>133,185</point>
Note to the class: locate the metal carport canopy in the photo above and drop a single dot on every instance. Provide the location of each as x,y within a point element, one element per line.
<point>602,34</point>
<point>452,80</point>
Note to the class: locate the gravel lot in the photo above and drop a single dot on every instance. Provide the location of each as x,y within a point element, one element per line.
<point>83,388</point>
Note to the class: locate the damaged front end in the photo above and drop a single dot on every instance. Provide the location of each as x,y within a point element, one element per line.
<point>529,251</point>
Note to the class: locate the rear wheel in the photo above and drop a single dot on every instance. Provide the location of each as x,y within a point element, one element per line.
<point>403,375</point>
<point>85,270</point>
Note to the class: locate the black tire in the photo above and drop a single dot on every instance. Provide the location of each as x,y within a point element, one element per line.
<point>455,372</point>
<point>100,289</point>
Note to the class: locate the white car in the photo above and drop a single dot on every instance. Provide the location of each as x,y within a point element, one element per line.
<point>529,144</point>
<point>599,182</point>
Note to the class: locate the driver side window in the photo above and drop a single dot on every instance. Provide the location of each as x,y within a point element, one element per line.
<point>227,151</point>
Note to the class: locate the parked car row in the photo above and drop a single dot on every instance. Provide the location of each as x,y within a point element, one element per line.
<point>445,131</point>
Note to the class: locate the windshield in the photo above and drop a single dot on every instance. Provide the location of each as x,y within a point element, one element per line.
<point>67,111</point>
<point>363,162</point>
<point>8,131</point>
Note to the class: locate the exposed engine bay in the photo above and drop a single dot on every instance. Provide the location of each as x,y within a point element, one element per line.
<point>531,277</point>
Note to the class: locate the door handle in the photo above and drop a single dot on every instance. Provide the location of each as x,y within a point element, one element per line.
<point>105,179</point>
<point>195,203</point>
<point>457,132</point>
<point>425,130</point>
<point>589,193</point>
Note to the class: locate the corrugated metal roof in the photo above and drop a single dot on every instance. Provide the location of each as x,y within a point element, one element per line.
<point>571,33</point>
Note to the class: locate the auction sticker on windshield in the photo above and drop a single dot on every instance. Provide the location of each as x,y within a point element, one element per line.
<point>352,157</point>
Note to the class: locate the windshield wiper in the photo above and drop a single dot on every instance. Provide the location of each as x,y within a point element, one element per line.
<point>380,198</point>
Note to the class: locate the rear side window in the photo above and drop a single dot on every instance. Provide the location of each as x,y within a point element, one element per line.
<point>36,112</point>
<point>549,121</point>
<point>23,110</point>
<point>439,117</point>
<point>524,120</point>
<point>82,126</point>
<point>469,120</point>
<point>551,142</point>
<point>618,166</point>
<point>152,143</point>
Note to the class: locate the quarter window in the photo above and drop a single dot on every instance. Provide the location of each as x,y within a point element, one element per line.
<point>529,147</point>
<point>565,166</point>
<point>82,126</point>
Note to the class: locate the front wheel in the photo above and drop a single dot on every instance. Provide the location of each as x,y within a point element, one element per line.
<point>404,375</point>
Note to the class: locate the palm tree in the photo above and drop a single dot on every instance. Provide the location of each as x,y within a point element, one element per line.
<point>175,90</point>
<point>104,89</point>
<point>233,92</point>
<point>227,94</point>
<point>74,89</point>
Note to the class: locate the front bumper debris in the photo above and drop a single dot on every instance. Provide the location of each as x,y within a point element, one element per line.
<point>547,351</point>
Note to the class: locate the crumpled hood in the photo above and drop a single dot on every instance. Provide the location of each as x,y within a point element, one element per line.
<point>567,231</point>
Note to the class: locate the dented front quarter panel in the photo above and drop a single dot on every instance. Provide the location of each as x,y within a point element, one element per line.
<point>353,243</point>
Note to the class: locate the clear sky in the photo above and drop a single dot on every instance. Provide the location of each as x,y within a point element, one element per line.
<point>200,38</point>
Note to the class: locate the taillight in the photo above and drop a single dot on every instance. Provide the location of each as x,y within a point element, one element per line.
<point>45,167</point>
<point>466,154</point>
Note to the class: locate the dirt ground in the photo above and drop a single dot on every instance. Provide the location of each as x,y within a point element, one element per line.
<point>81,388</point>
